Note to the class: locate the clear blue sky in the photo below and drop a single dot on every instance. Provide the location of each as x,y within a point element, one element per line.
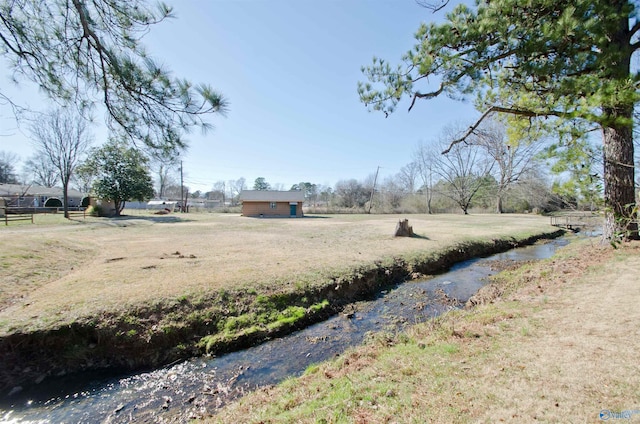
<point>289,69</point>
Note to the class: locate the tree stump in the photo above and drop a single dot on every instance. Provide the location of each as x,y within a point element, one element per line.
<point>403,229</point>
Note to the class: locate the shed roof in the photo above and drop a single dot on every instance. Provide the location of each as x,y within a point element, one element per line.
<point>271,196</point>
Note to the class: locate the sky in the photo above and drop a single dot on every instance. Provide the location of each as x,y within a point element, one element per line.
<point>289,69</point>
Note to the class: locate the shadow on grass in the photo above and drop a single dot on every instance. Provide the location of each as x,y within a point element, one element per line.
<point>289,217</point>
<point>123,220</point>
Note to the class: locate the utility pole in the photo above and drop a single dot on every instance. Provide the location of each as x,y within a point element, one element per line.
<point>183,206</point>
<point>375,179</point>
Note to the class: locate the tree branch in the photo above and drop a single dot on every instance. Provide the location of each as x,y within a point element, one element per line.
<point>434,7</point>
<point>635,28</point>
<point>418,95</point>
<point>17,49</point>
<point>498,109</point>
<point>464,72</point>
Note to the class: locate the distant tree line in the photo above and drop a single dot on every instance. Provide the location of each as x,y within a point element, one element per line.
<point>496,170</point>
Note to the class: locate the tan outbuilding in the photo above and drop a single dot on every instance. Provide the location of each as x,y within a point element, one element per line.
<point>271,203</point>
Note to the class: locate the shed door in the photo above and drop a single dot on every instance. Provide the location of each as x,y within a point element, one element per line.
<point>292,208</point>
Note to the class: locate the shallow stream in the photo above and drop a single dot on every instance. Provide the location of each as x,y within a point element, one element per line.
<point>199,386</point>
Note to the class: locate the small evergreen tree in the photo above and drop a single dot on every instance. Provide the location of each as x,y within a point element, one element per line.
<point>261,184</point>
<point>121,174</point>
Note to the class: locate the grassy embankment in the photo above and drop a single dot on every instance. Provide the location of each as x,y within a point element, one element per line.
<point>554,341</point>
<point>144,290</point>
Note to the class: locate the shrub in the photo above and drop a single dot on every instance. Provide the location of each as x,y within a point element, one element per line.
<point>98,210</point>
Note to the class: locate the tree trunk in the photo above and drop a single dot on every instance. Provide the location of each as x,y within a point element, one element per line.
<point>499,203</point>
<point>65,197</point>
<point>617,134</point>
<point>619,188</point>
<point>119,206</point>
<point>428,198</point>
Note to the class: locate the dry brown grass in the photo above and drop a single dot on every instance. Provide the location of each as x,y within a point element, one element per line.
<point>59,271</point>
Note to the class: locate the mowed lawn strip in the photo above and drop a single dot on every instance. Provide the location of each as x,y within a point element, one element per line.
<point>559,345</point>
<point>59,272</point>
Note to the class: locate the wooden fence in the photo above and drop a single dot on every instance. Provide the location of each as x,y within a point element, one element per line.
<point>81,213</point>
<point>26,214</point>
<point>17,217</point>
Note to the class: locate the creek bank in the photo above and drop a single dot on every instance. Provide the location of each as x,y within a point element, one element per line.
<point>154,335</point>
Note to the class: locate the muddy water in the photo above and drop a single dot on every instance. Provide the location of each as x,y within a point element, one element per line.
<point>197,387</point>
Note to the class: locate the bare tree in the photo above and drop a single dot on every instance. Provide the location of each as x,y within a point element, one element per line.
<point>236,187</point>
<point>533,191</point>
<point>174,191</point>
<point>393,192</point>
<point>425,157</point>
<point>462,169</point>
<point>63,137</point>
<point>166,178</point>
<point>164,163</point>
<point>408,176</point>
<point>352,193</point>
<point>219,191</point>
<point>41,170</point>
<point>512,158</point>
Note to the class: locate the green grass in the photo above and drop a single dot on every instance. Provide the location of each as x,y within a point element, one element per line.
<point>265,315</point>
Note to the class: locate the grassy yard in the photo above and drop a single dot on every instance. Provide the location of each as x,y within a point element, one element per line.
<point>57,271</point>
